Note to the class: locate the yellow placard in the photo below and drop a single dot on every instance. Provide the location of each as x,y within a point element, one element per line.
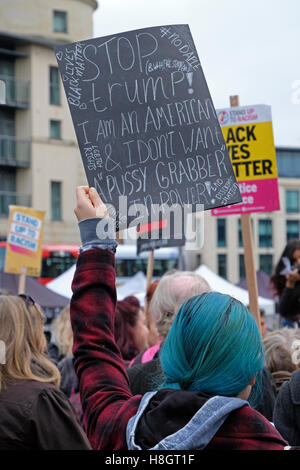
<point>24,241</point>
<point>251,150</point>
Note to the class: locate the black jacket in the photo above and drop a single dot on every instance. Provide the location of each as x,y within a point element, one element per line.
<point>289,303</point>
<point>287,410</point>
<point>38,416</point>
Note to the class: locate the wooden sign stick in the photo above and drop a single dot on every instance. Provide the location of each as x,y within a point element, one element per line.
<point>22,281</point>
<point>249,253</point>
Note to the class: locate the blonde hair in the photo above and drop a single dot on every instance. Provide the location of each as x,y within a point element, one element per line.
<point>279,353</point>
<point>63,333</point>
<point>173,289</point>
<point>22,332</point>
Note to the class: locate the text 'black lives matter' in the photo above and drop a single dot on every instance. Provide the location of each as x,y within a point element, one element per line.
<point>145,122</point>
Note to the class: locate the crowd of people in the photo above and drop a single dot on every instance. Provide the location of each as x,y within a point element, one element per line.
<point>190,371</point>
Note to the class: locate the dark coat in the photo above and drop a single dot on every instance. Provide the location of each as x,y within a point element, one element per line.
<point>289,303</point>
<point>38,416</point>
<point>287,410</point>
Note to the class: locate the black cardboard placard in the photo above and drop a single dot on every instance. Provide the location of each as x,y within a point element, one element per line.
<point>153,235</point>
<point>145,122</point>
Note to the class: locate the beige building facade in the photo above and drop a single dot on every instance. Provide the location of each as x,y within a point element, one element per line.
<point>39,157</point>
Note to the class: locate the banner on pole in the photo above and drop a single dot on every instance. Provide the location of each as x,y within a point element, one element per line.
<point>24,241</point>
<point>248,134</point>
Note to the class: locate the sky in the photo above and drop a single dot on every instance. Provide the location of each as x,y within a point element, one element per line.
<point>249,48</point>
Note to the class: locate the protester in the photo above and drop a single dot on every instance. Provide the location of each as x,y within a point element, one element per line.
<point>35,414</point>
<point>61,337</point>
<point>211,358</point>
<point>68,381</point>
<point>153,336</point>
<point>145,370</point>
<point>287,410</point>
<point>263,324</point>
<point>279,352</point>
<point>131,335</point>
<point>70,386</point>
<point>174,288</point>
<point>131,332</point>
<point>287,286</point>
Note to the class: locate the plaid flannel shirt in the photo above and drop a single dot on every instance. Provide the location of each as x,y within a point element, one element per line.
<point>106,398</point>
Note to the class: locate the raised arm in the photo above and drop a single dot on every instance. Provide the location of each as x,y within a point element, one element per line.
<point>104,388</point>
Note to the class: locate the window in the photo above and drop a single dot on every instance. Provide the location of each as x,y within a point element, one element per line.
<point>240,237</point>
<point>222,265</point>
<point>291,201</point>
<point>7,191</point>
<point>265,237</point>
<point>266,263</point>
<point>7,74</point>
<point>57,263</point>
<point>54,86</point>
<point>292,229</point>
<point>240,233</point>
<point>242,268</point>
<point>55,129</point>
<point>59,21</point>
<point>221,231</point>
<point>129,267</point>
<point>288,163</point>
<point>7,133</point>
<point>56,212</point>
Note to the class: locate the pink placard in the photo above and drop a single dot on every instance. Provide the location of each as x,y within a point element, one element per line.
<point>258,196</point>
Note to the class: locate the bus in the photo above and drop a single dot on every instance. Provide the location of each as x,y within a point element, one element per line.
<point>128,263</point>
<point>56,259</point>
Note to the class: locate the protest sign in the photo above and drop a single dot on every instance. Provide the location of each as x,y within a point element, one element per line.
<point>249,139</point>
<point>145,122</point>
<point>24,241</point>
<point>153,236</point>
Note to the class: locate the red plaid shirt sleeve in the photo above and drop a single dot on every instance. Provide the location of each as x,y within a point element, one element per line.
<point>107,402</point>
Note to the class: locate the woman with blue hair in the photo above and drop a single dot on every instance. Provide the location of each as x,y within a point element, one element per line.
<point>203,349</point>
<point>211,358</point>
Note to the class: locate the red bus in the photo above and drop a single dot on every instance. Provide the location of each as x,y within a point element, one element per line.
<point>56,259</point>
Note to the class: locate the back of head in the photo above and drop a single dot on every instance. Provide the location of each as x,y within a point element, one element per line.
<point>171,292</point>
<point>62,331</point>
<point>279,352</point>
<point>21,330</point>
<point>278,280</point>
<point>127,311</point>
<point>213,346</point>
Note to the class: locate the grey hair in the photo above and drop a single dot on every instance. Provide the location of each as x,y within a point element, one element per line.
<point>173,289</point>
<point>282,353</point>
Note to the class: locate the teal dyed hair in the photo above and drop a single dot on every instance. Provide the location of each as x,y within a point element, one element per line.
<point>213,346</point>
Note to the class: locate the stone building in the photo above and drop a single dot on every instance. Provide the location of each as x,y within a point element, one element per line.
<point>40,164</point>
